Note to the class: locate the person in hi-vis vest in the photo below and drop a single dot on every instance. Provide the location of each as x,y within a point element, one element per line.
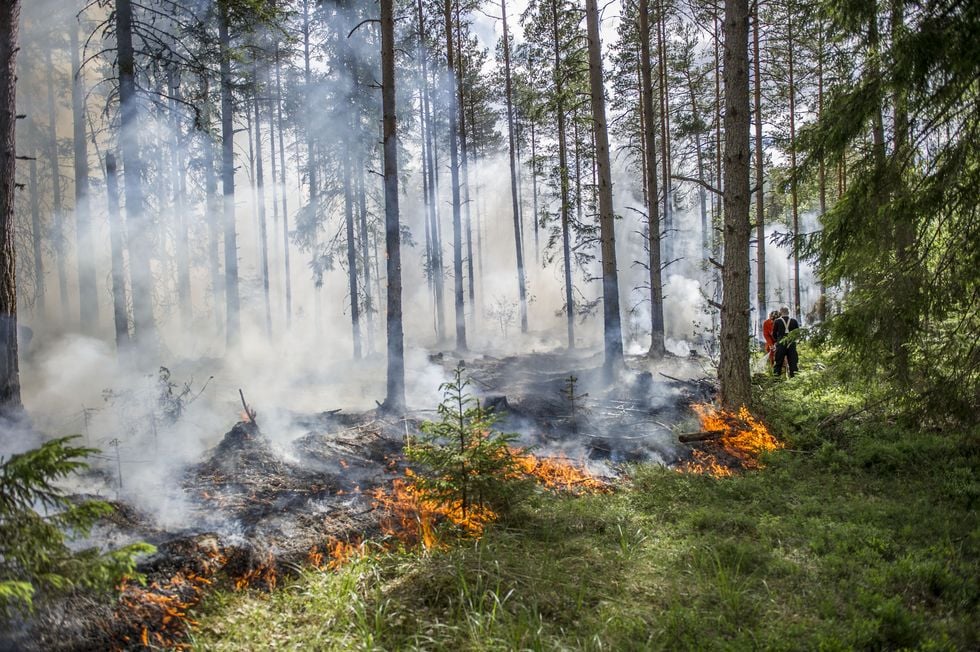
<point>782,327</point>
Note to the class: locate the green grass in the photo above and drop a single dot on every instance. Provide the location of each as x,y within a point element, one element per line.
<point>862,536</point>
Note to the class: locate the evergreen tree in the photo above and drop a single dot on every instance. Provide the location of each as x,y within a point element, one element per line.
<point>903,234</point>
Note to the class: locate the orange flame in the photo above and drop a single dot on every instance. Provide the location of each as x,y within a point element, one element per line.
<point>558,473</point>
<point>411,518</point>
<point>743,438</point>
<point>343,552</point>
<point>265,573</point>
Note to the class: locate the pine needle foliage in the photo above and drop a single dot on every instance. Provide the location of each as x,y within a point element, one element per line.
<point>463,460</point>
<point>38,519</point>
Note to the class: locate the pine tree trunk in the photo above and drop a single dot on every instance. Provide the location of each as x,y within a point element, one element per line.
<point>351,253</point>
<point>310,152</point>
<point>37,239</point>
<point>139,226</point>
<point>613,334</point>
<point>213,219</point>
<point>395,400</point>
<point>178,166</point>
<point>733,367</point>
<point>665,164</point>
<point>260,203</point>
<point>232,302</point>
<point>347,61</point>
<point>365,253</point>
<point>657,348</point>
<point>793,190</point>
<point>534,195</point>
<point>643,125</point>
<point>88,299</point>
<point>57,215</point>
<point>576,154</point>
<point>10,403</point>
<point>288,281</point>
<point>717,216</point>
<point>453,111</point>
<point>822,165</point>
<point>432,215</point>
<point>699,154</point>
<point>563,175</point>
<point>117,245</point>
<point>476,200</point>
<point>760,214</point>
<point>512,150</point>
<point>464,151</point>
<point>429,252</point>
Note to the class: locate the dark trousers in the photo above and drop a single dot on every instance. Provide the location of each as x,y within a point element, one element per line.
<point>787,353</point>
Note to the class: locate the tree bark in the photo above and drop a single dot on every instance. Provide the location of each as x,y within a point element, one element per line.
<point>347,63</point>
<point>822,164</point>
<point>794,193</point>
<point>355,316</point>
<point>453,111</point>
<point>665,163</point>
<point>58,209</point>
<point>395,400</point>
<point>733,367</point>
<point>760,214</point>
<point>563,176</point>
<point>117,243</point>
<point>613,334</point>
<point>699,153</point>
<point>260,195</point>
<point>365,253</point>
<point>10,403</point>
<point>88,299</point>
<point>515,207</point>
<point>287,277</point>
<point>37,238</point>
<point>232,302</point>
<point>657,348</point>
<point>464,152</point>
<point>310,151</point>
<point>139,227</point>
<point>182,248</point>
<point>432,215</point>
<point>211,208</point>
<point>534,196</point>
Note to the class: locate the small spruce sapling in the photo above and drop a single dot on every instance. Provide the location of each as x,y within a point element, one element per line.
<point>462,460</point>
<point>574,399</point>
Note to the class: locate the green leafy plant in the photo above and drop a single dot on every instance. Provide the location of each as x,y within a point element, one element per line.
<point>38,519</point>
<point>464,462</point>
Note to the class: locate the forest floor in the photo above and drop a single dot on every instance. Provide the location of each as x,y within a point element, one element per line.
<point>862,533</point>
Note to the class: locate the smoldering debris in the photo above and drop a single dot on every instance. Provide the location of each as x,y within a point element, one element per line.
<point>560,402</point>
<point>252,513</point>
<point>256,505</point>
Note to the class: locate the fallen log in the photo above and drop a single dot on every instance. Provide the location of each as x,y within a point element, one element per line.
<point>704,435</point>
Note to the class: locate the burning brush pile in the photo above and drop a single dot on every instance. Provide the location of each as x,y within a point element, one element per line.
<point>727,443</point>
<point>256,515</point>
<point>263,503</point>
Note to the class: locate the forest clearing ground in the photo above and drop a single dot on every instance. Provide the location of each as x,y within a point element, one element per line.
<point>863,533</point>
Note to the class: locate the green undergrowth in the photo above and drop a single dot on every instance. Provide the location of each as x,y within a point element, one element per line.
<point>861,534</point>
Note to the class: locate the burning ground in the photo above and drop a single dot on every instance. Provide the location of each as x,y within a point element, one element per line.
<point>254,508</point>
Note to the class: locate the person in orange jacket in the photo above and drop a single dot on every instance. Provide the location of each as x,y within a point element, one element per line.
<point>767,328</point>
